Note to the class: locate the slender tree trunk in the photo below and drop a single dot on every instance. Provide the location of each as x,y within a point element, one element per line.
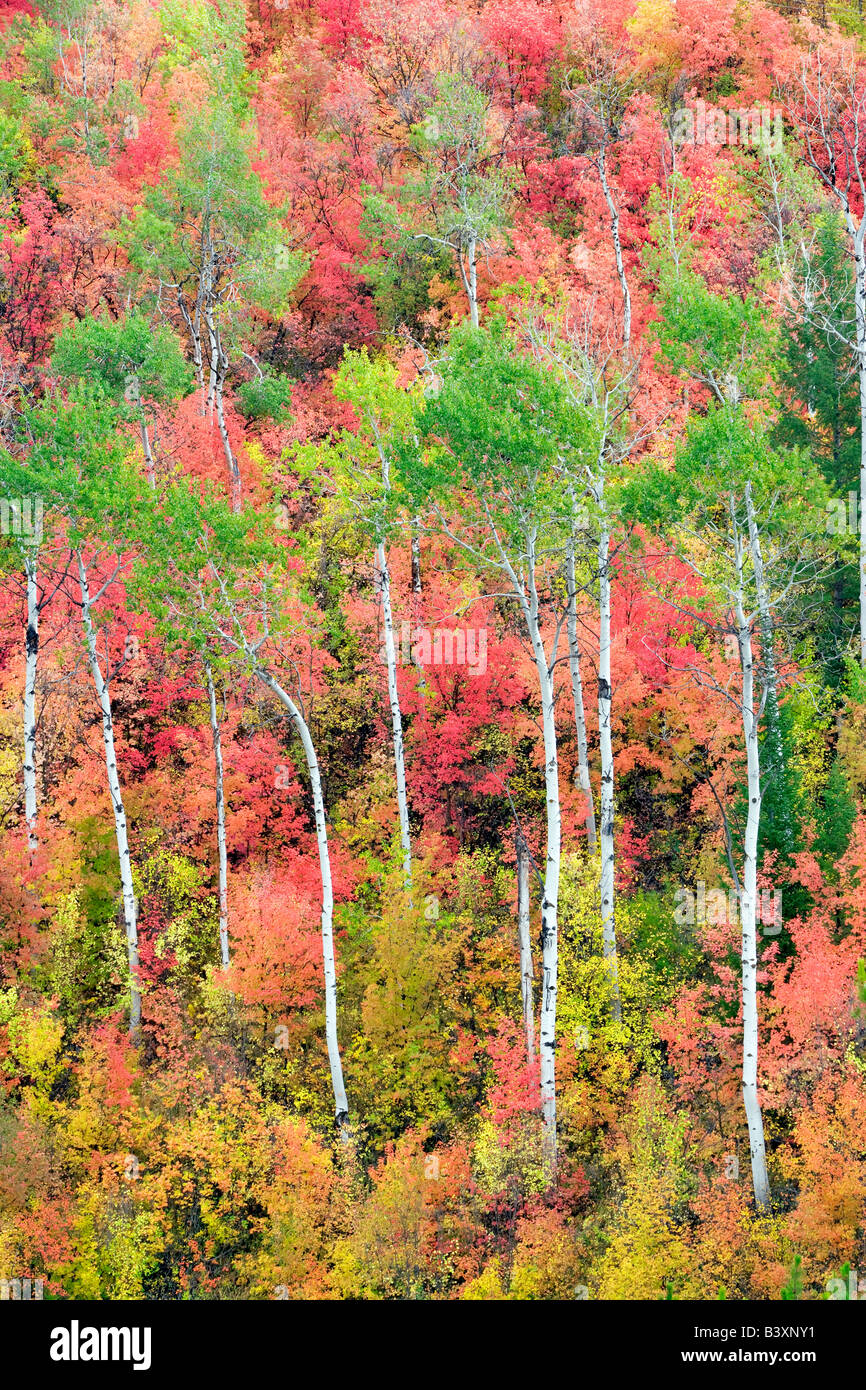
<point>469,277</point>
<point>473,284</point>
<point>214,356</point>
<point>526,972</point>
<point>748,911</point>
<point>221,820</point>
<point>550,901</point>
<point>30,666</point>
<point>234,471</point>
<point>130,906</point>
<point>148,454</point>
<point>583,780</point>
<point>617,247</point>
<point>605,698</point>
<point>605,690</point>
<point>396,717</point>
<point>219,367</point>
<point>416,563</point>
<point>193,328</point>
<point>341,1107</point>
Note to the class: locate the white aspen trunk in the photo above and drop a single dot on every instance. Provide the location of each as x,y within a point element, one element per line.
<point>550,901</point>
<point>221,821</point>
<point>148,455</point>
<point>416,563</point>
<point>341,1107</point>
<point>396,717</point>
<point>617,247</point>
<point>526,972</point>
<point>768,657</point>
<point>583,780</point>
<point>130,906</point>
<point>192,325</point>
<point>219,367</point>
<point>30,665</point>
<point>214,355</point>
<point>234,471</point>
<point>748,908</point>
<point>605,698</point>
<point>473,283</point>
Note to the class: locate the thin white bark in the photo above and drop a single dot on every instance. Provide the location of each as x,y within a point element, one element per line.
<point>617,246</point>
<point>214,351</point>
<point>30,665</point>
<point>341,1107</point>
<point>550,900</point>
<point>582,777</point>
<point>605,697</point>
<point>748,905</point>
<point>221,821</point>
<point>148,454</point>
<point>193,328</point>
<point>526,971</point>
<point>234,471</point>
<point>473,283</point>
<point>396,717</point>
<point>416,563</point>
<point>130,906</point>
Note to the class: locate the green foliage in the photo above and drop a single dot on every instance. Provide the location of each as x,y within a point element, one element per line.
<point>815,366</point>
<point>793,1290</point>
<point>129,358</point>
<point>209,228</point>
<point>210,40</point>
<point>77,465</point>
<point>723,341</point>
<point>514,446</point>
<point>265,398</point>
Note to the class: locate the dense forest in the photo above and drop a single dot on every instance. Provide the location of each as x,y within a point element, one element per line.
<point>433,649</point>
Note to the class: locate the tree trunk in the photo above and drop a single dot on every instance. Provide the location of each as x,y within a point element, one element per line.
<point>748,908</point>
<point>193,328</point>
<point>234,471</point>
<point>617,248</point>
<point>130,906</point>
<point>396,717</point>
<point>221,821</point>
<point>30,666</point>
<point>550,901</point>
<point>416,563</point>
<point>583,780</point>
<point>526,972</point>
<point>473,284</point>
<point>341,1107</point>
<point>605,697</point>
<point>148,455</point>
